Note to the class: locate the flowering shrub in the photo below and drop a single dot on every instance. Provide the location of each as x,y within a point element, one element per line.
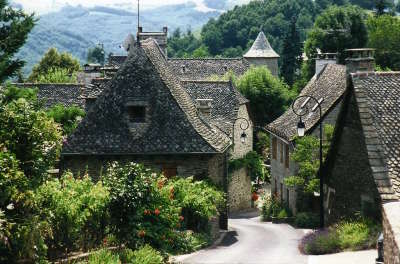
<point>140,207</point>
<point>143,255</point>
<point>199,201</point>
<point>76,210</point>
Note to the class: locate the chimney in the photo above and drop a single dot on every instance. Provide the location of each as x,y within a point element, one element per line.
<point>323,59</point>
<point>204,106</point>
<point>165,30</point>
<point>360,60</point>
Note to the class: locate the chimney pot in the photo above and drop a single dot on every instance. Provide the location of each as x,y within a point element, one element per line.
<point>165,29</point>
<point>323,59</point>
<point>360,60</point>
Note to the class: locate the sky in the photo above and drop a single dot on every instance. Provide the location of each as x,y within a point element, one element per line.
<point>45,6</point>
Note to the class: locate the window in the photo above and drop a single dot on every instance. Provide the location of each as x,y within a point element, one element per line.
<point>137,114</point>
<point>287,156</point>
<point>274,147</point>
<point>281,192</point>
<point>169,172</point>
<point>281,151</point>
<point>287,196</point>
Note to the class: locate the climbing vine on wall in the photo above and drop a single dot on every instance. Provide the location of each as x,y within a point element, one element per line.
<point>253,162</point>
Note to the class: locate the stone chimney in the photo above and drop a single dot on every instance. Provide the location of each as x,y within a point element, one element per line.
<point>360,60</point>
<point>204,107</point>
<point>323,59</point>
<point>160,37</point>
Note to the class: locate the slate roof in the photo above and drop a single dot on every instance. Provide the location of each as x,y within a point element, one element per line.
<point>198,69</point>
<point>261,48</point>
<point>225,104</point>
<point>95,88</point>
<point>203,69</point>
<point>172,125</point>
<point>52,94</point>
<point>377,96</point>
<point>116,60</point>
<point>329,85</point>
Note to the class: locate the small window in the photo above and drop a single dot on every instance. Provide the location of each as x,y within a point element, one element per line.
<point>287,156</point>
<point>137,114</point>
<point>281,193</point>
<point>281,151</point>
<point>274,147</point>
<point>169,172</point>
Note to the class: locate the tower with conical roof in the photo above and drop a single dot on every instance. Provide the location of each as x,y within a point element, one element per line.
<point>262,54</point>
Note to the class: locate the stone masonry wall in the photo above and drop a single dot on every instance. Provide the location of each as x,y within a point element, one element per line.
<point>349,176</point>
<point>271,64</point>
<point>199,166</point>
<point>278,169</point>
<point>391,233</point>
<point>239,183</point>
<point>239,191</point>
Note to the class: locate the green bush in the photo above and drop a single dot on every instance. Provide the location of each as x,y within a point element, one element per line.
<point>253,162</point>
<point>282,214</point>
<point>357,235</point>
<point>199,201</point>
<point>270,208</point>
<point>76,210</point>
<point>345,235</point>
<point>104,256</point>
<point>140,207</point>
<point>306,220</point>
<point>144,255</point>
<point>67,117</point>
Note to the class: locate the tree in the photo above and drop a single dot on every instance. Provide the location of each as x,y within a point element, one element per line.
<point>27,133</point>
<point>57,75</point>
<point>182,45</point>
<point>336,29</point>
<point>291,54</point>
<point>96,55</point>
<point>67,117</point>
<point>15,26</point>
<point>54,60</point>
<point>201,52</point>
<point>269,96</point>
<point>384,36</point>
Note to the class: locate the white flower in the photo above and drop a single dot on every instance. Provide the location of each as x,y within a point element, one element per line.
<point>10,206</point>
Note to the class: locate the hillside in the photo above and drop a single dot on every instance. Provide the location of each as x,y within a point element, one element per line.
<point>75,29</point>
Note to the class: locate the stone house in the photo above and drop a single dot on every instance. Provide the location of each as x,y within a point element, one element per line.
<point>328,87</point>
<point>363,165</point>
<point>147,114</point>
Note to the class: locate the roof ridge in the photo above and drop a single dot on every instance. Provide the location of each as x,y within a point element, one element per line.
<point>49,84</point>
<point>238,58</point>
<point>211,134</point>
<point>204,81</point>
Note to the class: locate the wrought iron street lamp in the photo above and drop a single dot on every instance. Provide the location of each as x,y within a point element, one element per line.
<point>301,127</point>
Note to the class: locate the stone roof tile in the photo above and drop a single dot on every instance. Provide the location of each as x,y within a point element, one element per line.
<point>329,85</point>
<point>379,94</point>
<point>261,48</point>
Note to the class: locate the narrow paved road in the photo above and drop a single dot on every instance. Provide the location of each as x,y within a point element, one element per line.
<point>250,241</point>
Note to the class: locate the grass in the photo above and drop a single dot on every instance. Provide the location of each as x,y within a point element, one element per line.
<point>343,236</point>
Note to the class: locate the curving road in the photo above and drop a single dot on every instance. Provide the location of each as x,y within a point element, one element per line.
<point>250,241</point>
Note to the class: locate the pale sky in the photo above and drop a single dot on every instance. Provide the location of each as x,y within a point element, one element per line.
<point>44,6</point>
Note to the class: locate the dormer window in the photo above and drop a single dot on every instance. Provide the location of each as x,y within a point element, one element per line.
<point>137,114</point>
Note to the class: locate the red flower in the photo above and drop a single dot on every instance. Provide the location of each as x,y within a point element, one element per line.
<point>254,196</point>
<point>160,184</point>
<point>105,241</point>
<point>147,212</point>
<point>156,212</point>
<point>141,233</point>
<point>181,218</point>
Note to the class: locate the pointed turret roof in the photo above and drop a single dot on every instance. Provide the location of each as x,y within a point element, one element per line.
<point>261,48</point>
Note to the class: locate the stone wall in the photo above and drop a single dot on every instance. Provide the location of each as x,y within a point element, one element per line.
<point>199,166</point>
<point>349,157</point>
<point>278,169</point>
<point>270,63</point>
<point>240,149</point>
<point>239,190</point>
<point>391,233</point>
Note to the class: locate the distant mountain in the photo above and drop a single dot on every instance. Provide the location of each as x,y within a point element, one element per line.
<point>75,29</point>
